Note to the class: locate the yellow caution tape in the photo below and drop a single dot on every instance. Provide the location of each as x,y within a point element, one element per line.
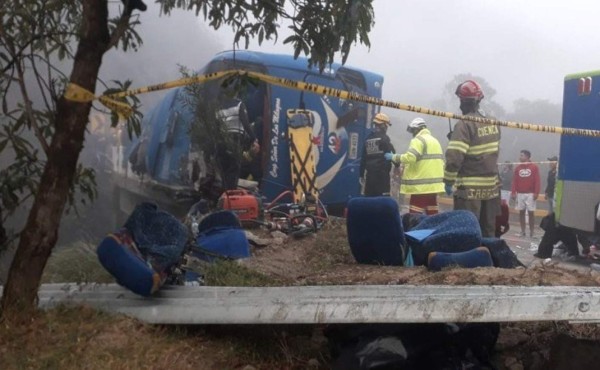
<point>77,93</point>
<point>177,83</point>
<point>299,85</point>
<point>532,162</point>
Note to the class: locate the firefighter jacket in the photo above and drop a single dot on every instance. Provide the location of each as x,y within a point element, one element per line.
<point>373,160</point>
<point>471,160</point>
<point>234,116</point>
<point>423,165</point>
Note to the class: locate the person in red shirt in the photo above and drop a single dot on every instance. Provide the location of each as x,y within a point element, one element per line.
<point>526,189</point>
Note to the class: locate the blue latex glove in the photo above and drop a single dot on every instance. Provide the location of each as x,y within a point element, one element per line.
<point>388,156</point>
<point>448,189</point>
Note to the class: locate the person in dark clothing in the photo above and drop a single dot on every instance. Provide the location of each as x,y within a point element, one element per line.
<point>239,138</point>
<point>551,183</point>
<point>373,162</point>
<point>554,233</point>
<point>506,179</point>
<point>252,158</point>
<point>502,224</point>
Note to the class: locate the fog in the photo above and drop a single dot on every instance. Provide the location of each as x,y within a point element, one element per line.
<point>522,50</point>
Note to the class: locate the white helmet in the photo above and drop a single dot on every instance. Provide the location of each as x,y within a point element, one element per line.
<point>416,124</point>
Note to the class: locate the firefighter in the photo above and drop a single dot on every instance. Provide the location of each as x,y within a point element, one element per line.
<point>239,138</point>
<point>471,173</point>
<point>423,176</point>
<point>373,162</point>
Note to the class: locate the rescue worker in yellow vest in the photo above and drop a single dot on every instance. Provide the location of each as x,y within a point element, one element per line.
<point>423,176</point>
<point>471,173</point>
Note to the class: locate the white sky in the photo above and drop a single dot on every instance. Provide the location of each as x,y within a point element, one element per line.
<point>522,48</point>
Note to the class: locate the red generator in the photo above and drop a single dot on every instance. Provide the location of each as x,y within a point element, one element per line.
<point>247,206</point>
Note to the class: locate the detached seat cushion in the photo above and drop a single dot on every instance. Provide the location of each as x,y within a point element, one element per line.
<point>451,232</point>
<point>221,236</point>
<point>375,231</point>
<point>127,266</point>
<point>141,255</point>
<point>478,257</point>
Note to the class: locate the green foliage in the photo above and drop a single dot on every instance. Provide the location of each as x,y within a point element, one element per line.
<point>130,39</point>
<point>206,134</point>
<point>321,28</point>
<point>34,37</point>
<point>134,122</point>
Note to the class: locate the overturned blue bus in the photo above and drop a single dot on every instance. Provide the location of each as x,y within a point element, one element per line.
<point>159,165</point>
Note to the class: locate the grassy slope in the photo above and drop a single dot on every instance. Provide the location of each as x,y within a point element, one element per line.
<point>76,338</point>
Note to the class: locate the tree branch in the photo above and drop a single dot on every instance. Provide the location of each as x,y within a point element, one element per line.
<point>120,29</point>
<point>29,110</point>
<point>42,84</point>
<point>17,55</point>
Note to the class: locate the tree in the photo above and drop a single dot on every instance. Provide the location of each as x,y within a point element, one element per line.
<point>450,101</point>
<point>541,145</point>
<point>46,30</point>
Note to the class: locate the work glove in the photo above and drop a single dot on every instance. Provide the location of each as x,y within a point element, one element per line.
<point>388,156</point>
<point>448,189</point>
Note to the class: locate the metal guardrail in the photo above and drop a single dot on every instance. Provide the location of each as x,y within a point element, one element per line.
<point>335,304</point>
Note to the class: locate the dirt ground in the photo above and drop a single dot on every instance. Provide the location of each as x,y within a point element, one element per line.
<point>69,338</point>
<point>326,260</point>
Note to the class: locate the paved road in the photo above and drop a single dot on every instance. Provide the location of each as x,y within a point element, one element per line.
<point>525,247</point>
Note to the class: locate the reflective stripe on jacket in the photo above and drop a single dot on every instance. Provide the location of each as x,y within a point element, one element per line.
<point>372,159</point>
<point>231,117</point>
<point>423,165</point>
<point>471,160</point>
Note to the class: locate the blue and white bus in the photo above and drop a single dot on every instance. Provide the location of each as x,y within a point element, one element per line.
<point>339,129</point>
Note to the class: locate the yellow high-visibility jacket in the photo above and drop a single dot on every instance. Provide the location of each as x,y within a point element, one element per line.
<point>423,165</point>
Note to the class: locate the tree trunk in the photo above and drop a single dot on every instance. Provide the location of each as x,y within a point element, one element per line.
<point>41,230</point>
<point>3,236</point>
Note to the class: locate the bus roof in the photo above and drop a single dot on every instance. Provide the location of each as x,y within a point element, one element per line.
<point>574,76</point>
<point>283,60</point>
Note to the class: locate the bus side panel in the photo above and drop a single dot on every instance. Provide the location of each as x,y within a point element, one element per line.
<point>171,166</point>
<point>157,126</point>
<point>276,173</point>
<point>337,140</point>
<point>339,130</point>
<point>579,167</point>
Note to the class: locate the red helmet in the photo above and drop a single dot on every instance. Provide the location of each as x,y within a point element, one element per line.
<point>469,90</point>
